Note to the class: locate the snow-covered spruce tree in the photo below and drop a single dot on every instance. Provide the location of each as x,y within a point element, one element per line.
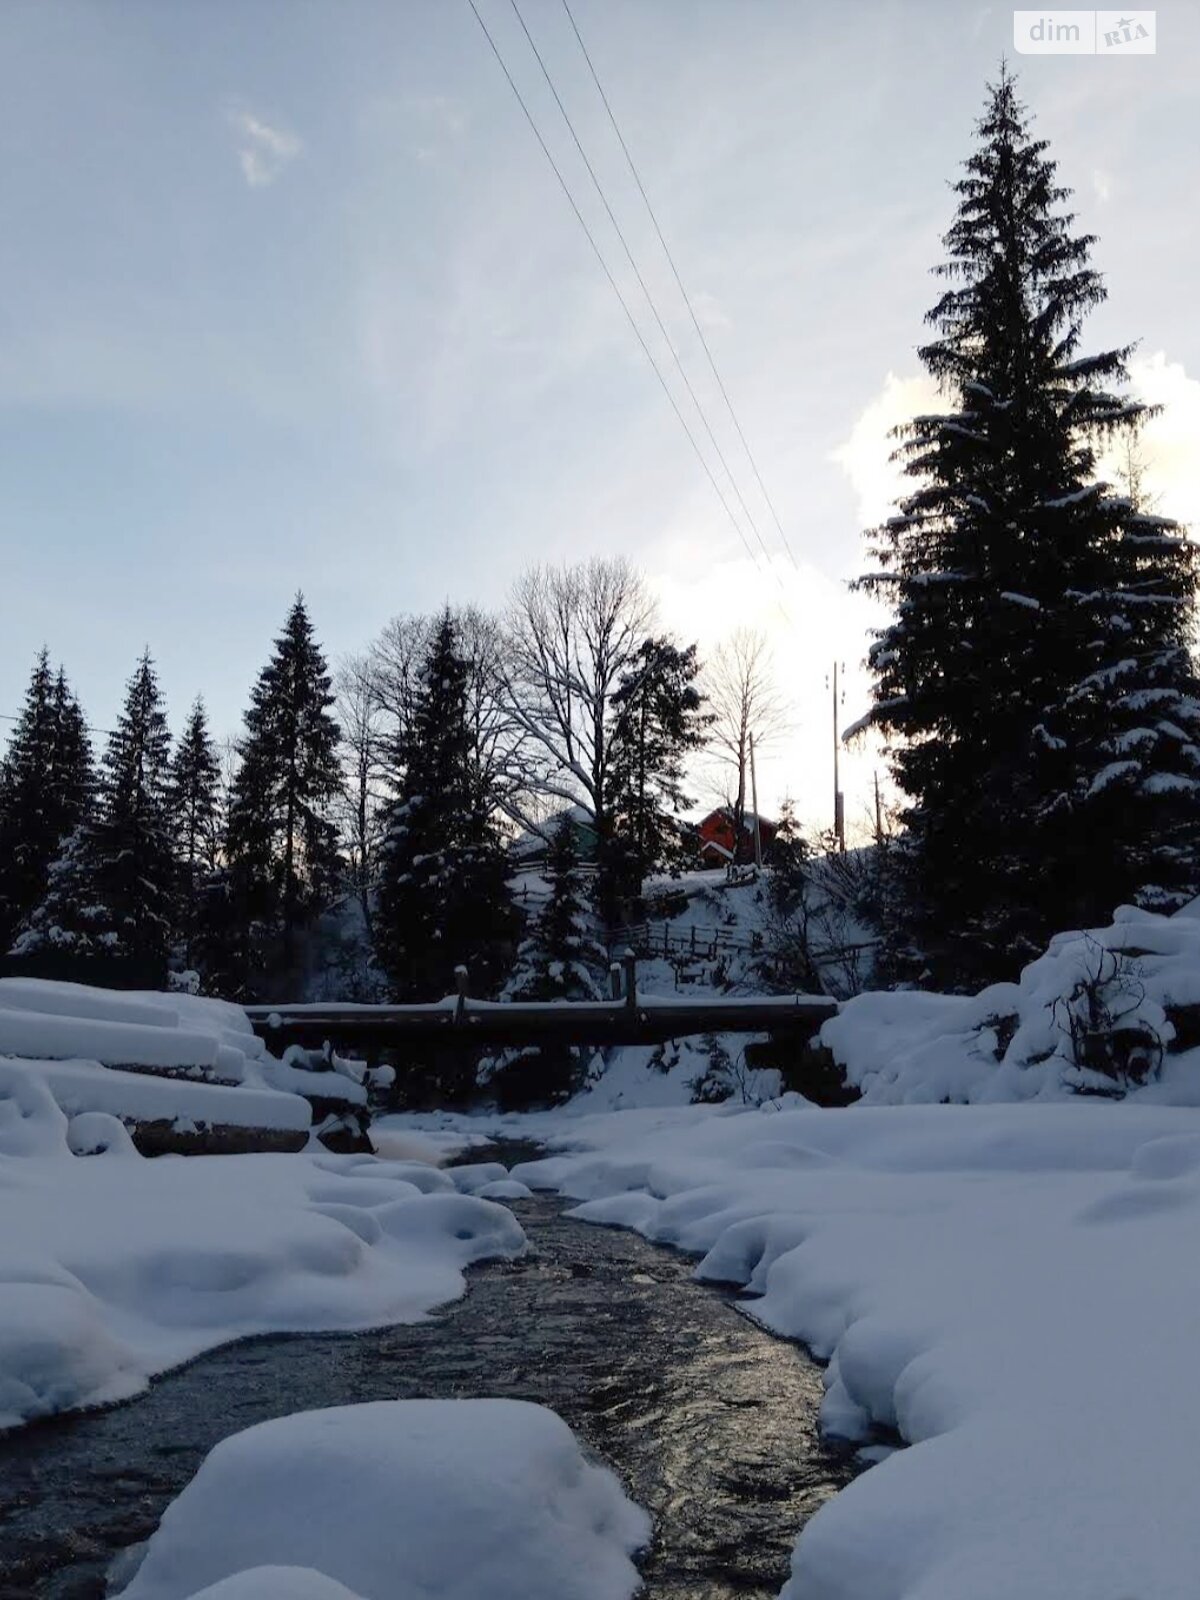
<point>281,837</point>
<point>443,893</point>
<point>791,937</point>
<point>131,839</point>
<point>658,721</point>
<point>46,783</point>
<point>1035,680</point>
<point>559,959</point>
<point>195,821</point>
<point>110,893</point>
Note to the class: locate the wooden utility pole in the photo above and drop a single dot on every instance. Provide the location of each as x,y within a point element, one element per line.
<point>754,802</point>
<point>878,813</point>
<point>839,802</point>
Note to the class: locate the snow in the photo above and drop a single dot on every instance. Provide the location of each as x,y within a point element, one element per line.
<point>29,1033</point>
<point>1011,1288</point>
<point>80,1086</point>
<point>1020,1041</point>
<point>146,1008</point>
<point>196,1061</point>
<point>121,1267</point>
<point>398,1500</point>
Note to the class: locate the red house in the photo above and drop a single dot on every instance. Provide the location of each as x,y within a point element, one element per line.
<point>719,848</point>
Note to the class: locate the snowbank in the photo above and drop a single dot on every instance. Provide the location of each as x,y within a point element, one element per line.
<point>80,1086</point>
<point>1012,1288</point>
<point>161,1057</point>
<point>41,1018</point>
<point>398,1500</point>
<point>1095,1013</point>
<point>113,1268</point>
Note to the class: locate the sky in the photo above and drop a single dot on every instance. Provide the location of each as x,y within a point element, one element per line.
<point>291,299</point>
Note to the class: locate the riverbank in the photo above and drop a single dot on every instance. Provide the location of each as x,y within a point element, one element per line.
<point>1011,1288</point>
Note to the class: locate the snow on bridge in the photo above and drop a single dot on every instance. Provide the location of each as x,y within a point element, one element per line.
<point>625,1019</point>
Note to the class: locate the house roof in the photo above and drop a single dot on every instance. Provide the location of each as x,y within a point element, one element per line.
<point>531,842</point>
<point>748,817</point>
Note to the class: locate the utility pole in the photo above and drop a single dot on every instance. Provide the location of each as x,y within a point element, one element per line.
<point>839,802</point>
<point>754,802</point>
<point>878,812</point>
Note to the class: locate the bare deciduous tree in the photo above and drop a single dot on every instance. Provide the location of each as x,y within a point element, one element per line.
<point>745,704</point>
<point>392,665</point>
<point>569,634</point>
<point>361,808</point>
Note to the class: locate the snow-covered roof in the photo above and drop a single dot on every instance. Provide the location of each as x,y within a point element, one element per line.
<point>533,840</point>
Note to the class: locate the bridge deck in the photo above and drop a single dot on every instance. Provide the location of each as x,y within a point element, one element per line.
<point>470,1023</point>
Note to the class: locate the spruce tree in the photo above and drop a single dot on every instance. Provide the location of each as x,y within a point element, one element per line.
<point>45,786</point>
<point>195,821</point>
<point>110,893</point>
<point>72,775</point>
<point>658,721</point>
<point>560,959</point>
<point>1035,679</point>
<point>68,920</point>
<point>281,838</point>
<point>443,894</point>
<point>134,854</point>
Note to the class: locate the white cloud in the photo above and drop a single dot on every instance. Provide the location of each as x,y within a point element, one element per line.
<point>1167,447</point>
<point>866,456</point>
<point>263,149</point>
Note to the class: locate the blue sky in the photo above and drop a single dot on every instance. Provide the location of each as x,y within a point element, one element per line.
<point>289,299</point>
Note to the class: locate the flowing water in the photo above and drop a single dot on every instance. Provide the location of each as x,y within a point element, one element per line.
<point>710,1422</point>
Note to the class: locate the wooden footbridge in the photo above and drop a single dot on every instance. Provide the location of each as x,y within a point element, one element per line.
<point>459,1021</point>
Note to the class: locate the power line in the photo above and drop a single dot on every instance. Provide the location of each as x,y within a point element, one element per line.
<point>649,298</point>
<point>6,716</point>
<point>649,354</point>
<point>679,281</point>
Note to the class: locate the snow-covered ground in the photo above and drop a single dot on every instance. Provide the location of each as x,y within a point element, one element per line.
<point>398,1500</point>
<point>114,1267</point>
<point>1011,1288</point>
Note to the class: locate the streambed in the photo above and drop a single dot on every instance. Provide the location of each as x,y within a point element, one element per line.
<point>710,1421</point>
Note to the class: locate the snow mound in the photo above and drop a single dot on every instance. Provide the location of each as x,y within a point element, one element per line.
<point>398,1500</point>
<point>1094,1014</point>
<point>277,1583</point>
<point>121,1267</point>
<point>472,1176</point>
<point>505,1189</point>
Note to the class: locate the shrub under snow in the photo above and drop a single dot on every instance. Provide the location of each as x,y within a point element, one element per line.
<point>1097,1013</point>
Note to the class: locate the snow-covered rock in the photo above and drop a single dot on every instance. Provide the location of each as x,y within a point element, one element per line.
<point>398,1500</point>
